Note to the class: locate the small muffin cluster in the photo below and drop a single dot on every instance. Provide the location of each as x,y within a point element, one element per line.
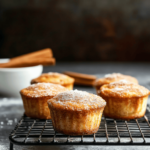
<point>114,77</point>
<point>124,97</point>
<point>72,112</point>
<point>76,112</point>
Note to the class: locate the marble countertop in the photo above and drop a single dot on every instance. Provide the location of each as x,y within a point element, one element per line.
<point>11,109</point>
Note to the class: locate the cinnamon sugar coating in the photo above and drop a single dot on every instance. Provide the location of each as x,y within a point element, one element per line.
<point>76,112</point>
<point>77,100</point>
<point>123,89</point>
<point>42,90</point>
<point>53,77</point>
<point>113,78</point>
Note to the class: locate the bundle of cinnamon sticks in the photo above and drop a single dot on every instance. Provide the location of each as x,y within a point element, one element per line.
<point>42,57</point>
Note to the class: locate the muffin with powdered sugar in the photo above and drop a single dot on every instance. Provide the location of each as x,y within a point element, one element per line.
<point>125,100</point>
<point>56,78</point>
<point>35,99</point>
<point>76,112</point>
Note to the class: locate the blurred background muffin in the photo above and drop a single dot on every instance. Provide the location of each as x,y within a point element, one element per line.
<point>56,78</point>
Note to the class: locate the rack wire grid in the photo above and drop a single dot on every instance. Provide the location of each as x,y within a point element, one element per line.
<point>111,132</point>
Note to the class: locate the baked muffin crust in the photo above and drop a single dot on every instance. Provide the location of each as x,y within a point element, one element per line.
<point>113,78</point>
<point>123,89</point>
<point>42,90</point>
<point>77,100</point>
<point>53,77</point>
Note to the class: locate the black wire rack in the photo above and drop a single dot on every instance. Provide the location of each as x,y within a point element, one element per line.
<point>111,132</point>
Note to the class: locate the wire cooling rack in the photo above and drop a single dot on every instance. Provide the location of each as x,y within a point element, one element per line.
<point>111,132</point>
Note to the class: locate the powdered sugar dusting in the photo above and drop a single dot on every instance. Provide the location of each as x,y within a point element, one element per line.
<point>124,81</point>
<point>119,89</point>
<point>43,89</point>
<point>113,75</point>
<point>124,88</point>
<point>78,99</point>
<point>72,95</point>
<point>57,74</point>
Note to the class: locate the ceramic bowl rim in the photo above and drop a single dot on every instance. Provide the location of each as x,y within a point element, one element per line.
<point>16,69</point>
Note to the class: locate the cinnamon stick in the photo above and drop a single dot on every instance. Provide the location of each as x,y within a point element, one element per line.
<point>43,57</point>
<point>47,52</point>
<point>80,75</point>
<point>82,79</point>
<point>85,82</point>
<point>28,62</point>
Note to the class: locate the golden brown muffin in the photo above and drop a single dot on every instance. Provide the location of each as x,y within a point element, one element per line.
<point>57,78</point>
<point>35,99</point>
<point>125,100</point>
<point>76,112</point>
<point>109,78</point>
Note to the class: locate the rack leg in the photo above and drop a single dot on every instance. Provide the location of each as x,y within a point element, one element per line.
<point>11,146</point>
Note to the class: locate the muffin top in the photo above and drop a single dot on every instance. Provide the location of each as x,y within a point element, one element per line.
<point>113,78</point>
<point>53,77</point>
<point>42,90</point>
<point>77,100</point>
<point>123,89</point>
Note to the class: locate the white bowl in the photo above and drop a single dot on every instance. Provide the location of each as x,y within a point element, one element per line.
<point>12,80</point>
